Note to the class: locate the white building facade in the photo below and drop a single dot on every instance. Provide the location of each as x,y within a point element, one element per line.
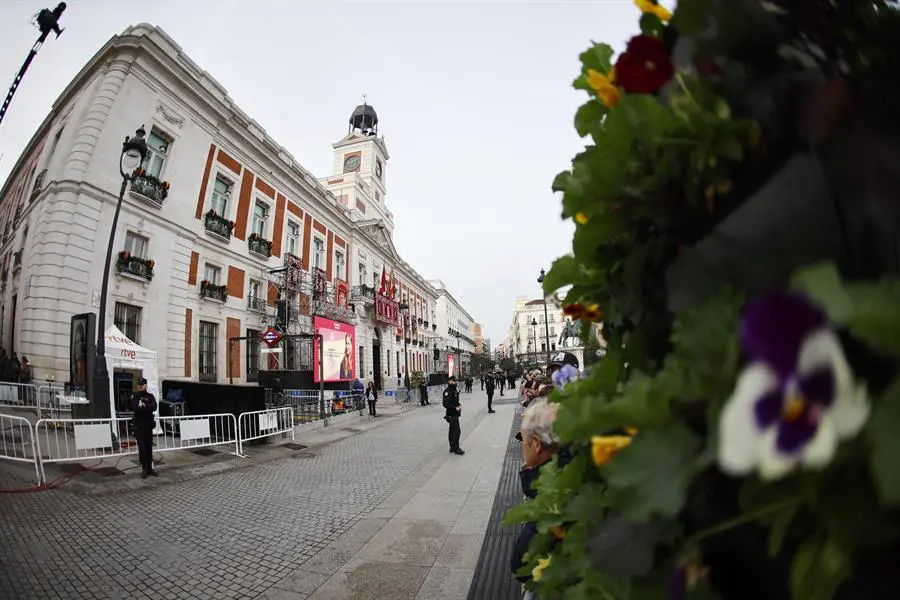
<point>529,339</point>
<point>455,328</point>
<point>201,234</point>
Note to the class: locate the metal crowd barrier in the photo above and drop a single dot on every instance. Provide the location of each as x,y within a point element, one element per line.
<point>19,395</point>
<point>261,424</point>
<point>55,402</point>
<point>17,443</point>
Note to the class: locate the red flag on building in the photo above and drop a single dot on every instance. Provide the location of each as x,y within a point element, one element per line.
<point>383,280</point>
<point>392,289</point>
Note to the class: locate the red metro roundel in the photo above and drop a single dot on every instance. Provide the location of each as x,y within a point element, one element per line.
<point>270,337</point>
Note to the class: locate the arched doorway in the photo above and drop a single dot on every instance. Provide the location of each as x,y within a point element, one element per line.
<point>376,358</point>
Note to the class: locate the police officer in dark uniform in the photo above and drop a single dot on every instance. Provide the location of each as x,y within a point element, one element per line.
<point>143,405</point>
<point>453,410</point>
<point>489,386</point>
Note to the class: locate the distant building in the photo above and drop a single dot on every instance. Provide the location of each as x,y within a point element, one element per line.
<point>456,329</point>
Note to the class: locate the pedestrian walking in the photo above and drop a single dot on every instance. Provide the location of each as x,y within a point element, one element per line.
<point>500,379</point>
<point>423,393</point>
<point>143,405</point>
<point>489,387</point>
<point>453,410</point>
<point>371,398</point>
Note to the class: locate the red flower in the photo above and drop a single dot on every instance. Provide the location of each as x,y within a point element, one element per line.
<point>645,67</point>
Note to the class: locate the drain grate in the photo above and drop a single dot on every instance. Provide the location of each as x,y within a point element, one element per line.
<point>293,446</point>
<point>352,429</point>
<point>493,578</point>
<point>203,452</point>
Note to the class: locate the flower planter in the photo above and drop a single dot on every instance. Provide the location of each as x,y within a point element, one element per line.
<point>134,265</point>
<point>260,246</point>
<point>150,188</point>
<point>218,225</point>
<point>213,291</point>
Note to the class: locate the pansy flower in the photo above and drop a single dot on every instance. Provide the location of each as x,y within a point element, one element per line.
<point>651,6</point>
<point>565,375</point>
<point>590,312</point>
<point>797,396</point>
<point>538,571</point>
<point>685,578</point>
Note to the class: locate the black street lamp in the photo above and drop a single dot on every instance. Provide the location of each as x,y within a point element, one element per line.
<point>134,151</point>
<point>534,336</point>
<point>404,308</point>
<point>540,280</point>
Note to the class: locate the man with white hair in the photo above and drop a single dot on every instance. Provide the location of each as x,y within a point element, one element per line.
<point>539,445</point>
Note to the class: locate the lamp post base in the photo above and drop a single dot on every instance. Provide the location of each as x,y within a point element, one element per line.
<point>100,406</point>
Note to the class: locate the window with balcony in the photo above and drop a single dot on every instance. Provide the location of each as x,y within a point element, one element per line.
<point>318,253</point>
<point>292,242</point>
<point>255,298</point>
<point>260,218</point>
<point>221,195</point>
<point>341,265</point>
<point>133,260</point>
<point>127,318</point>
<point>157,148</point>
<point>252,355</point>
<point>207,351</point>
<point>136,245</point>
<point>211,273</point>
<point>210,286</point>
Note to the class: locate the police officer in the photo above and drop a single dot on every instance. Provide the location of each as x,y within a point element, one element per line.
<point>143,405</point>
<point>453,411</point>
<point>489,386</point>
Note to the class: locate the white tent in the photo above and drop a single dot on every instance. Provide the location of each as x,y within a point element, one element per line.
<point>122,353</point>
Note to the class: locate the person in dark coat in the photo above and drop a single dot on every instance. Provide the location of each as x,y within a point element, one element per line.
<point>143,405</point>
<point>371,398</point>
<point>4,364</point>
<point>423,393</point>
<point>539,445</point>
<point>489,387</point>
<point>13,368</point>
<point>453,410</point>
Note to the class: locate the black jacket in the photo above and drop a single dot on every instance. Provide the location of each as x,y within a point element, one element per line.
<point>529,530</point>
<point>143,415</point>
<point>451,401</point>
<point>489,385</point>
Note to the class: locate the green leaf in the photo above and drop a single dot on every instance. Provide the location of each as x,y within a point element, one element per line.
<point>561,181</point>
<point>652,25</point>
<point>819,568</point>
<point>589,117</point>
<point>647,118</point>
<point>598,57</point>
<point>780,528</point>
<point>885,457</point>
<point>565,270</point>
<point>822,283</point>
<point>730,147</point>
<point>651,476</point>
<point>692,17</point>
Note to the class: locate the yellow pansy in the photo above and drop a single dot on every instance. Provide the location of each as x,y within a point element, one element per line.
<point>581,218</point>
<point>606,90</point>
<point>538,571</point>
<point>604,447</point>
<point>648,6</point>
<point>559,532</point>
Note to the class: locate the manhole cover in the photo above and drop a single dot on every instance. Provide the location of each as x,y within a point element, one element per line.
<point>203,452</point>
<point>293,446</point>
<point>303,455</point>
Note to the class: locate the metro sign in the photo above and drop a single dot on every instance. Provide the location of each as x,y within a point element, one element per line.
<point>270,337</point>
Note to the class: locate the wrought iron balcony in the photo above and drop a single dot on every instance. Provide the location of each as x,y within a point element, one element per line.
<point>213,291</point>
<point>218,225</point>
<point>362,293</point>
<point>150,187</point>
<point>135,265</point>
<point>258,304</point>
<point>38,185</point>
<point>259,245</point>
<point>17,259</point>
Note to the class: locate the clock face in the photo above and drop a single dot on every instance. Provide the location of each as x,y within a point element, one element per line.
<point>378,169</point>
<point>351,163</point>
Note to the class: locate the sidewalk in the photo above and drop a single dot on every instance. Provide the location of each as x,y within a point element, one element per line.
<point>423,541</point>
<point>116,474</point>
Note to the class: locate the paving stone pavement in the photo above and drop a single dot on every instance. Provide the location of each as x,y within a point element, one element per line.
<point>228,535</point>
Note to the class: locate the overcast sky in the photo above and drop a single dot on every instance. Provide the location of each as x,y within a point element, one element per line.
<point>474,100</point>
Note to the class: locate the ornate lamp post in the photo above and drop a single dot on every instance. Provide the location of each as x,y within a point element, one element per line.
<point>534,336</point>
<point>134,151</point>
<point>540,280</point>
<point>404,308</point>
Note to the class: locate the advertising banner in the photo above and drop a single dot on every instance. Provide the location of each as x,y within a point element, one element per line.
<point>386,310</point>
<point>451,363</point>
<point>338,340</point>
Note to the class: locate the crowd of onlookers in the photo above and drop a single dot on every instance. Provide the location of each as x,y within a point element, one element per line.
<point>14,370</point>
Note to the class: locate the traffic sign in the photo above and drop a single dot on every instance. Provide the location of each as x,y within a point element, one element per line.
<point>270,337</point>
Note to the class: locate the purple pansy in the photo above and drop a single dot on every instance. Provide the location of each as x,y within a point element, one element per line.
<point>566,375</point>
<point>796,398</point>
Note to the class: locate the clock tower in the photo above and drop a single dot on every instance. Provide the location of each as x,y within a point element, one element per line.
<point>359,169</point>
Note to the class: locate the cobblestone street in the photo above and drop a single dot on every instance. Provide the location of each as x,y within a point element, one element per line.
<point>228,535</point>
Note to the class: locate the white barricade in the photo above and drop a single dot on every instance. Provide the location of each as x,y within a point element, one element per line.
<point>198,431</point>
<point>22,395</point>
<point>72,440</point>
<point>53,401</point>
<point>17,442</point>
<point>265,423</point>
